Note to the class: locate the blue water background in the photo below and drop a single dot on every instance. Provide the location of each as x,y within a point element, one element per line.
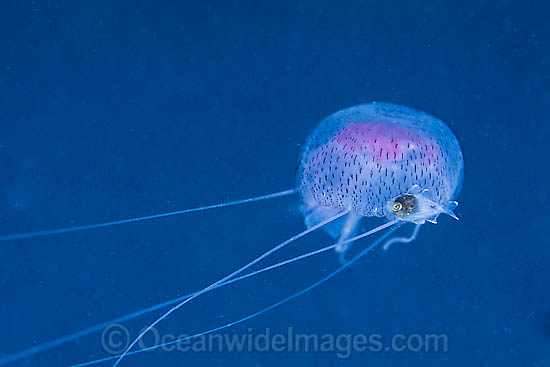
<point>115,109</point>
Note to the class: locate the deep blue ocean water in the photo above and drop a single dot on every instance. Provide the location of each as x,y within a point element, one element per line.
<point>116,109</point>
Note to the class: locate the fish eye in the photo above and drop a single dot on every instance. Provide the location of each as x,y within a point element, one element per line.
<point>404,204</point>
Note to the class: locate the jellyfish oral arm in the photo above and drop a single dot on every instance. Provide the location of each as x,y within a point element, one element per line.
<point>49,232</point>
<point>348,230</point>
<point>409,239</point>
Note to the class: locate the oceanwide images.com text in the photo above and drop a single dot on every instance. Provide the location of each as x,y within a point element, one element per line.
<point>116,338</point>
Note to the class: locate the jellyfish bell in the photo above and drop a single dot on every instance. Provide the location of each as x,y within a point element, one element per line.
<point>379,160</point>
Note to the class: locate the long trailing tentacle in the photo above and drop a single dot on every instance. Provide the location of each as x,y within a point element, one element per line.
<point>236,272</point>
<point>18,236</point>
<point>71,337</point>
<point>264,310</point>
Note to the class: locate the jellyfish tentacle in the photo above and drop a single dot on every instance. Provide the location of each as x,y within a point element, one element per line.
<point>18,236</point>
<point>409,239</point>
<point>266,309</point>
<point>236,272</point>
<point>76,335</point>
<point>451,206</point>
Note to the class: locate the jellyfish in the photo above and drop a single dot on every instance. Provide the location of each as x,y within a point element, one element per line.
<point>375,160</point>
<point>379,160</point>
